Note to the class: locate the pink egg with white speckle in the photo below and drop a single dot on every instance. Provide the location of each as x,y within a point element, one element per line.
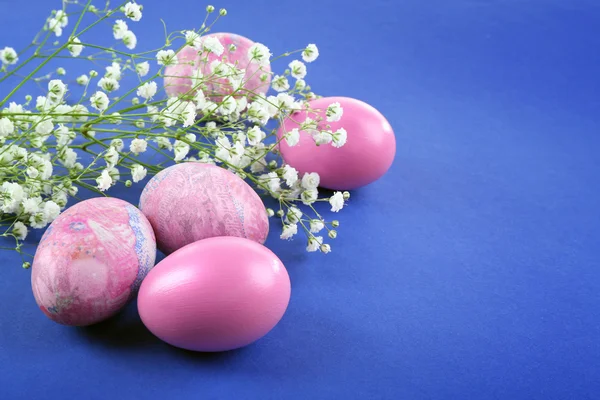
<point>91,261</point>
<point>256,78</point>
<point>214,295</point>
<point>367,155</point>
<point>193,201</point>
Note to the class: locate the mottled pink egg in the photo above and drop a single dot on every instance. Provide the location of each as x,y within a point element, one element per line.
<point>178,77</point>
<point>91,260</point>
<point>366,156</point>
<point>214,295</point>
<point>193,201</point>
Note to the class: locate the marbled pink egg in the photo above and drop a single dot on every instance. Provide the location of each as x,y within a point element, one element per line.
<point>367,155</point>
<point>214,295</point>
<point>193,201</point>
<point>91,260</point>
<point>256,78</point>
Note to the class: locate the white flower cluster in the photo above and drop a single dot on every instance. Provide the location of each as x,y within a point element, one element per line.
<point>41,166</point>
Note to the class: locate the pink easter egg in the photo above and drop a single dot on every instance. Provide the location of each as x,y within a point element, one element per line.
<point>178,77</point>
<point>193,201</point>
<point>217,294</point>
<point>367,155</point>
<point>91,260</point>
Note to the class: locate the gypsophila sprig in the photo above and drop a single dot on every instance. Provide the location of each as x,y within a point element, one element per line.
<point>87,132</point>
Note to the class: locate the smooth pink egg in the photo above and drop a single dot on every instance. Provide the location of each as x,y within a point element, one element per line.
<point>366,156</point>
<point>178,77</point>
<point>193,201</point>
<point>91,261</point>
<point>215,295</point>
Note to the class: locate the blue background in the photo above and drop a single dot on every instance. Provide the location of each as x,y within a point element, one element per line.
<point>470,271</point>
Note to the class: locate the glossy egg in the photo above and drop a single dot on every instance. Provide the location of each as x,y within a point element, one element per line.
<point>214,295</point>
<point>193,201</point>
<point>178,77</point>
<point>91,260</point>
<point>366,156</point>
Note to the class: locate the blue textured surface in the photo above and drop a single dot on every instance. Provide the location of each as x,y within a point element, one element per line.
<point>470,271</point>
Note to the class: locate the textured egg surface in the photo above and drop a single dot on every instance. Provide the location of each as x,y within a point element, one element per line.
<point>91,260</point>
<point>193,201</point>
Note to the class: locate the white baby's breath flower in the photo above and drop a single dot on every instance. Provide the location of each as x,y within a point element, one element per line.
<point>314,243</point>
<point>310,180</point>
<point>19,230</point>
<point>8,56</point>
<point>255,135</point>
<point>181,149</point>
<point>31,205</point>
<point>289,231</point>
<point>293,215</point>
<point>292,137</point>
<point>147,90</point>
<point>99,101</point>
<point>309,196</point>
<point>280,83</point>
<point>11,194</point>
<point>311,53</point>
<point>297,69</point>
<point>118,144</point>
<point>83,80</point>
<point>284,101</point>
<point>111,156</point>
<point>51,211</point>
<point>164,143</point>
<point>138,172</point>
<point>62,18</point>
<point>213,45</point>
<point>54,26</point>
<point>322,137</point>
<point>325,248</point>
<point>334,112</point>
<point>44,126</point>
<point>192,38</point>
<point>138,146</point>
<point>130,40</point>
<point>316,225</point>
<point>227,106</point>
<point>166,57</point>
<point>113,71</point>
<point>109,84</point>
<point>258,113</point>
<point>259,53</point>
<point>114,174</point>
<point>188,114</point>
<point>300,84</point>
<point>339,138</point>
<point>242,103</point>
<point>119,29</point>
<point>7,127</point>
<point>68,157</point>
<point>75,47</point>
<point>32,172</point>
<point>337,201</point>
<point>273,182</point>
<point>290,175</point>
<point>78,110</point>
<point>133,11</point>
<point>56,90</point>
<point>104,181</point>
<point>143,68</point>
<point>223,145</point>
